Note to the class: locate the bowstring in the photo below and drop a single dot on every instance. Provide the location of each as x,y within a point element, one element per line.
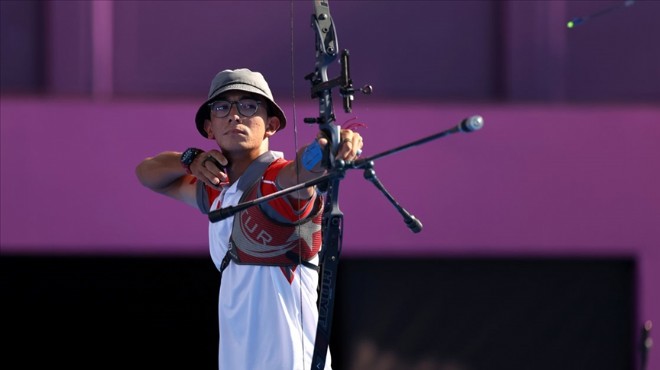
<point>298,200</point>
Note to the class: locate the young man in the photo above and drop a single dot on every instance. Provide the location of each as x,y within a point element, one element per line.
<point>266,254</point>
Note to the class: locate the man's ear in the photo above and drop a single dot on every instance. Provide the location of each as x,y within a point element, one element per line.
<point>209,129</point>
<point>272,125</point>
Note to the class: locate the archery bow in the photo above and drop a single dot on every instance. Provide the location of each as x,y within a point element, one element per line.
<point>333,218</point>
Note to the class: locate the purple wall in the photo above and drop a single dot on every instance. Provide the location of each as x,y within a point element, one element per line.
<point>535,181</point>
<point>548,178</point>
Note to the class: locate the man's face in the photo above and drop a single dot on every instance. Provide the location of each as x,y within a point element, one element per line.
<point>239,121</point>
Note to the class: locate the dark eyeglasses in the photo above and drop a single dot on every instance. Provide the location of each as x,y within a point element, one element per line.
<point>246,107</point>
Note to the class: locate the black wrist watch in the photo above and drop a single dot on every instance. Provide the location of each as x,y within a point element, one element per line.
<point>189,156</point>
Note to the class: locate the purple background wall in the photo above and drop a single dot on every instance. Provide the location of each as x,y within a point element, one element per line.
<point>567,163</point>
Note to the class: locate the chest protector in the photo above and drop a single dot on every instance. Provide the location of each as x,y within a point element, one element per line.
<point>262,236</point>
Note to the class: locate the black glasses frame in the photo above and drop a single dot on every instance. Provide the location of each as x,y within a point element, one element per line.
<point>240,106</point>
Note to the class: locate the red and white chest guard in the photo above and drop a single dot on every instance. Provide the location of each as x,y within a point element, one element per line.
<point>263,235</point>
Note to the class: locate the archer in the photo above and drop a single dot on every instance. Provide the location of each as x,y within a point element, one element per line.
<point>267,255</point>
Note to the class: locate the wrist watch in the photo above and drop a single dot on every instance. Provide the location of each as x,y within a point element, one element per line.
<point>188,156</point>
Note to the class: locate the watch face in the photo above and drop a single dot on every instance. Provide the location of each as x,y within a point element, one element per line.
<point>189,155</point>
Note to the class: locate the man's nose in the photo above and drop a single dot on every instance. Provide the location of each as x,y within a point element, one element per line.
<point>233,110</point>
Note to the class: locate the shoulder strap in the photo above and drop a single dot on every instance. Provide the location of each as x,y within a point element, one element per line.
<point>203,201</point>
<point>251,175</point>
<point>255,170</point>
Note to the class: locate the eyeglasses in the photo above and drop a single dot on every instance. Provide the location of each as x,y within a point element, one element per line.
<point>246,107</point>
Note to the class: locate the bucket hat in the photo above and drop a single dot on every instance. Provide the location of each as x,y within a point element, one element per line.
<point>242,80</point>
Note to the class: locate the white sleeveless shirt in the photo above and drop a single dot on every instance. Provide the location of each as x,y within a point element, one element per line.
<point>266,321</point>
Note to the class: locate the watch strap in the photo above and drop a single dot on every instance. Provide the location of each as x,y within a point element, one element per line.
<point>188,156</point>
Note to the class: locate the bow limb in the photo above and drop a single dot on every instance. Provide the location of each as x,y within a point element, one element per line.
<point>326,53</point>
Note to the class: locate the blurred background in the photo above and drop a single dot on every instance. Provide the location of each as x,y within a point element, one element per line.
<point>540,246</point>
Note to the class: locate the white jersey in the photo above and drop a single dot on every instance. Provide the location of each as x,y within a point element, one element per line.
<point>266,320</point>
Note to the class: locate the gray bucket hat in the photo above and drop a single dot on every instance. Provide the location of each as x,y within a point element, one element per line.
<point>242,80</point>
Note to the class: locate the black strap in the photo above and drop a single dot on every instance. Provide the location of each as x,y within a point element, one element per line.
<point>296,259</point>
<point>227,258</point>
<point>254,171</point>
<point>223,265</point>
